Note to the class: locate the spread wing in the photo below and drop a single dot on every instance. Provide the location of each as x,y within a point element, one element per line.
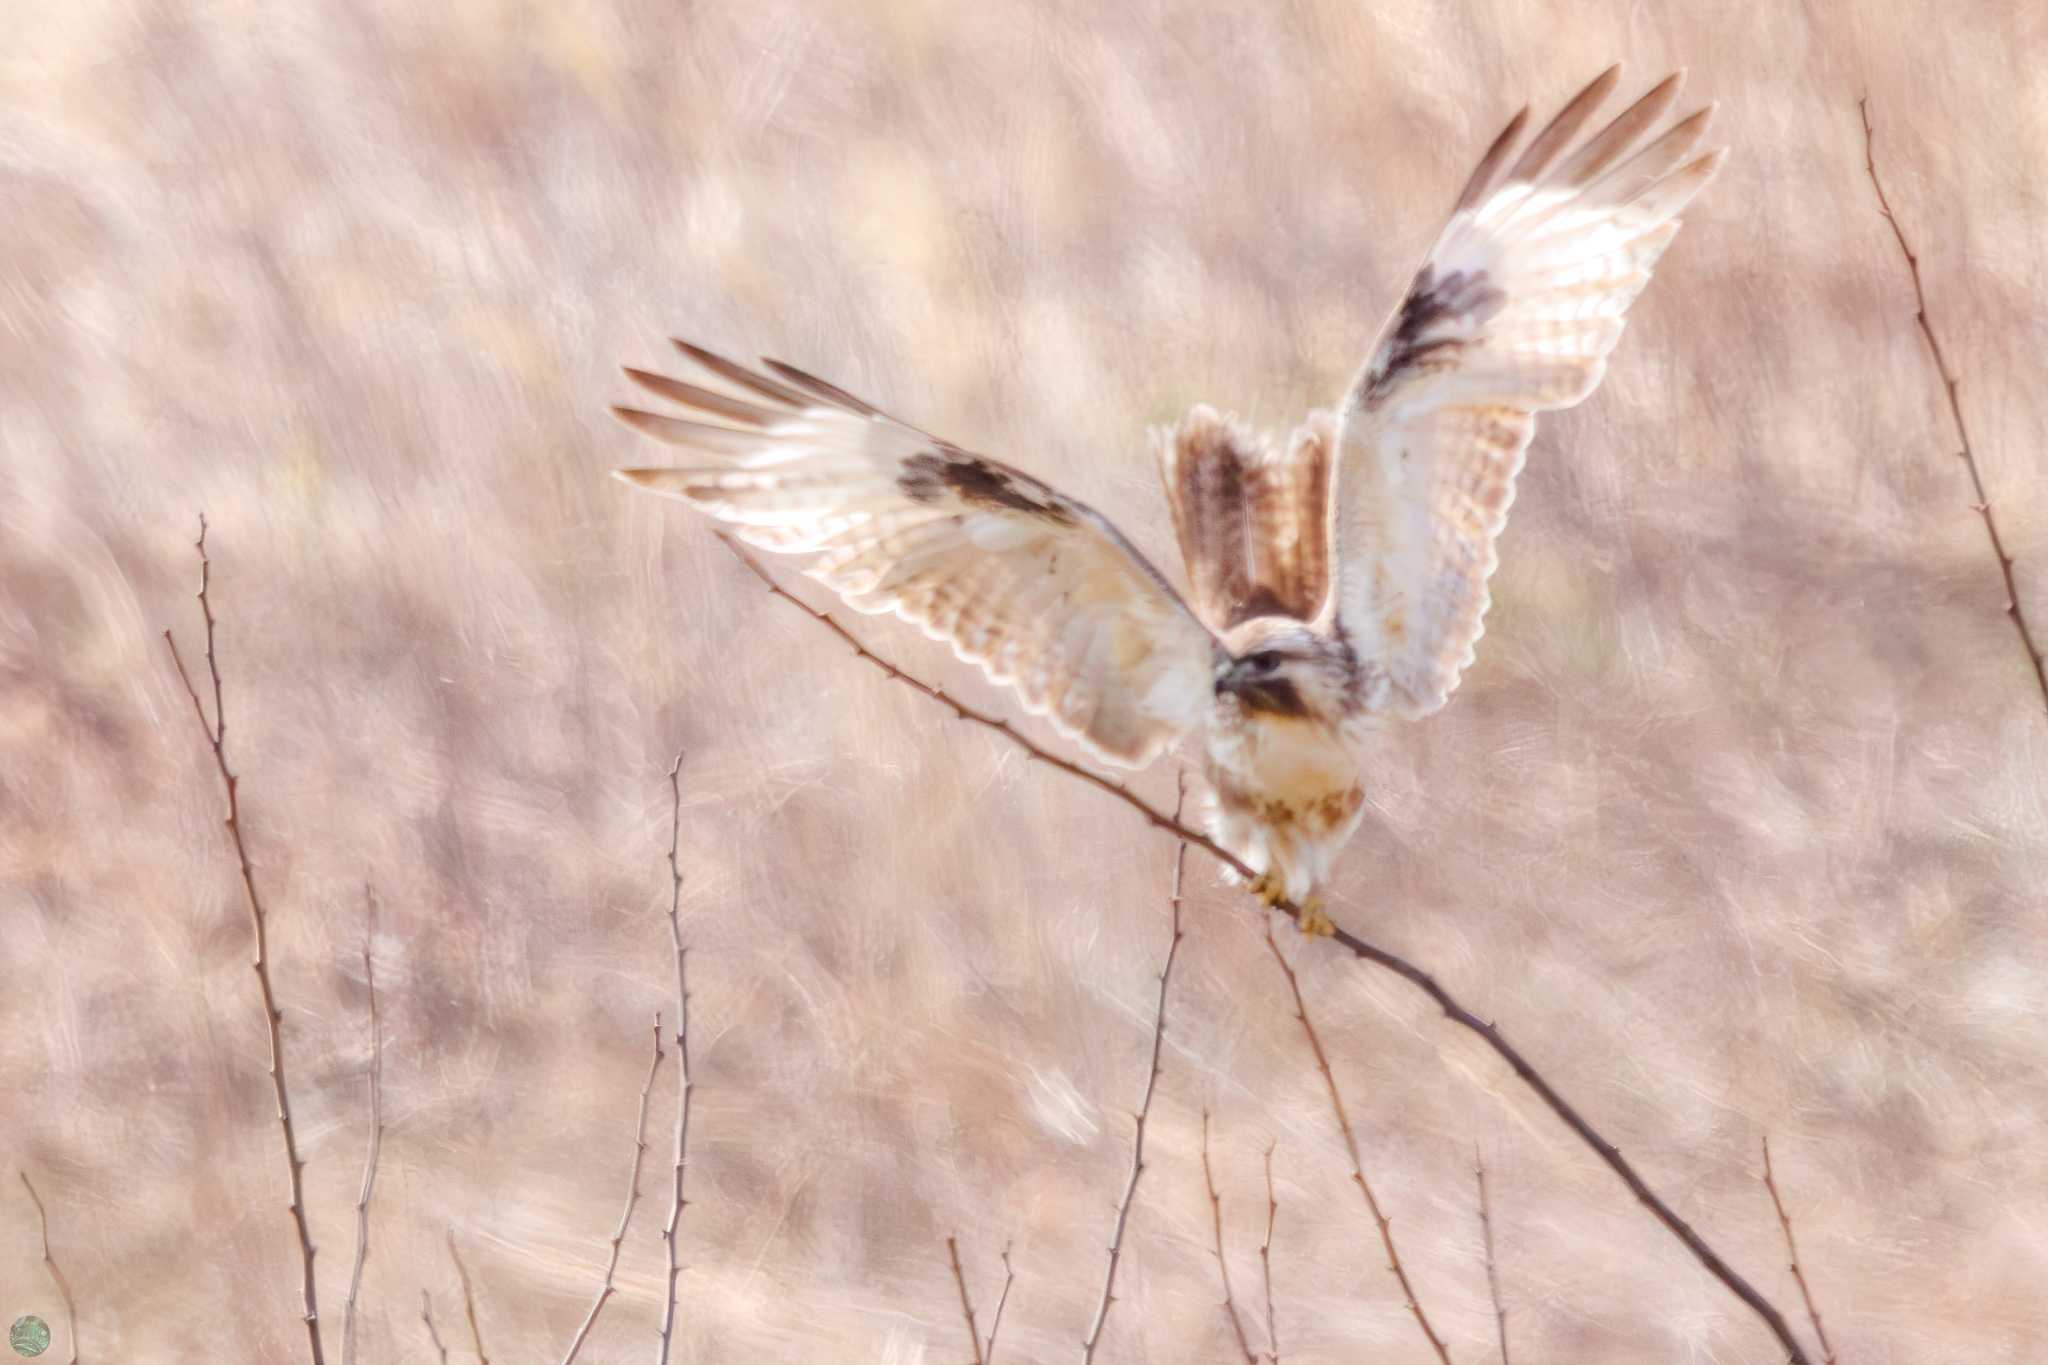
<point>1513,313</point>
<point>1038,589</point>
<point>1252,517</point>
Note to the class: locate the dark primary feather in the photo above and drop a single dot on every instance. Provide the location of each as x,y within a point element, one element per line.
<point>1545,147</point>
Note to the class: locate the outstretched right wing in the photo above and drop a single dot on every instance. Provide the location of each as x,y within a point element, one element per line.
<point>1038,589</point>
<point>1513,313</point>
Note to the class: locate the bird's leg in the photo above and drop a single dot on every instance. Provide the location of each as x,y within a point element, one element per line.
<point>1271,888</point>
<point>1313,921</point>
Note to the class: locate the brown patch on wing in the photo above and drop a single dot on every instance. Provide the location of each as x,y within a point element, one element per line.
<point>1436,318</point>
<point>927,478</point>
<point>1252,521</point>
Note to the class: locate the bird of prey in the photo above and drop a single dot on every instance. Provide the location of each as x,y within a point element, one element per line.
<point>1336,576</point>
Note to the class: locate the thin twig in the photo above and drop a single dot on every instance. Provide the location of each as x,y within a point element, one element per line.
<point>376,1075</point>
<point>996,1324</point>
<point>1123,1208</point>
<point>966,1307</point>
<point>56,1272</point>
<point>1372,1203</point>
<point>1222,1263</point>
<point>1266,1261</point>
<point>1684,1231</point>
<point>427,1316</point>
<point>605,1291</point>
<point>216,736</point>
<point>1827,1349</point>
<point>675,934</point>
<point>476,1335</point>
<point>1950,382</point>
<point>1500,1314</point>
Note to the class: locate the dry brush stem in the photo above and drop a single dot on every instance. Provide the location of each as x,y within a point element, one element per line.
<point>1123,1208</point>
<point>1222,1262</point>
<point>1266,1261</point>
<point>56,1272</point>
<point>216,736</point>
<point>376,1074</point>
<point>1968,453</point>
<point>966,1306</point>
<point>996,1323</point>
<point>675,933</point>
<point>476,1336</point>
<point>1827,1350</point>
<point>1372,1203</point>
<point>1500,1314</point>
<point>427,1317</point>
<point>1423,981</point>
<point>611,1265</point>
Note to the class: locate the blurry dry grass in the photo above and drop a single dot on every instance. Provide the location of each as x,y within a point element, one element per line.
<point>1739,824</point>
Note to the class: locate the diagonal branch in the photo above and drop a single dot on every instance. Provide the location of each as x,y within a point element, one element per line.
<point>56,1273</point>
<point>1968,454</point>
<point>1500,1314</point>
<point>216,736</point>
<point>1400,966</point>
<point>1827,1350</point>
<point>1222,1263</point>
<point>1372,1203</point>
<point>376,1084</point>
<point>966,1307</point>
<point>1123,1208</point>
<point>683,1085</point>
<point>605,1291</point>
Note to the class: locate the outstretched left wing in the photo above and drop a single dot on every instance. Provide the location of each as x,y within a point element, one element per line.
<point>1038,589</point>
<point>1513,313</point>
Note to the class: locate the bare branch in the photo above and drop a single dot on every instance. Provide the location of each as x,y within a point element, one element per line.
<point>427,1316</point>
<point>1222,1263</point>
<point>1266,1261</point>
<point>1123,1208</point>
<point>1827,1350</point>
<point>57,1273</point>
<point>605,1291</point>
<point>966,1308</point>
<point>476,1335</point>
<point>675,934</point>
<point>1679,1228</point>
<point>1950,383</point>
<point>1372,1203</point>
<point>996,1324</point>
<point>216,736</point>
<point>1500,1314</point>
<point>376,1077</point>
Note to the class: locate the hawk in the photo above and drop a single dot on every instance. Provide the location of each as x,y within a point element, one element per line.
<point>1335,577</point>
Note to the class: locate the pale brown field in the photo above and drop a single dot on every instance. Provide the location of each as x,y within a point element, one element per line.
<point>1738,826</point>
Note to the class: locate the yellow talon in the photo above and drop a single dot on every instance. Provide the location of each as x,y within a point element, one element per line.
<point>1268,888</point>
<point>1313,922</point>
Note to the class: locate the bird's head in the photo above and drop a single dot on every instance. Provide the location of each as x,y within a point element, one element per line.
<point>1282,669</point>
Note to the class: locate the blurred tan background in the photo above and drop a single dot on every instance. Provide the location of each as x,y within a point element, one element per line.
<point>1738,826</point>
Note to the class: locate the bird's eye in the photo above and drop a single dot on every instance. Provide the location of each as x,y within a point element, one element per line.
<point>1266,660</point>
